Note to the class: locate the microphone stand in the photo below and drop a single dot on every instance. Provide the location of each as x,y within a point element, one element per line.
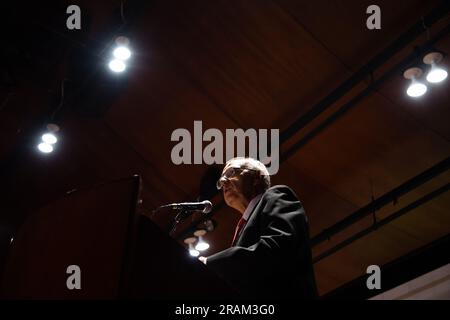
<point>183,214</point>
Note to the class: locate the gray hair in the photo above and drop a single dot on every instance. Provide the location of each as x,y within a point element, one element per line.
<point>254,165</point>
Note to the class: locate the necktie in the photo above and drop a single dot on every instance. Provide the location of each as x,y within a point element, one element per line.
<point>239,227</point>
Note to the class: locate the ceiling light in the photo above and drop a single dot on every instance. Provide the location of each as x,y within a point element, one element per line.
<point>436,73</point>
<point>122,41</point>
<point>49,138</point>
<point>122,53</point>
<point>45,147</point>
<point>117,65</point>
<point>416,88</point>
<point>52,127</point>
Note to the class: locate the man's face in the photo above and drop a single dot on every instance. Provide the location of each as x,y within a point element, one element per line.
<point>237,187</point>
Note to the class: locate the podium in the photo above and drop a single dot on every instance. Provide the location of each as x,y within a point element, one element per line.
<point>119,253</point>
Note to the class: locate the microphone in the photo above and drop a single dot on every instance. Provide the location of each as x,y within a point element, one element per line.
<point>204,206</point>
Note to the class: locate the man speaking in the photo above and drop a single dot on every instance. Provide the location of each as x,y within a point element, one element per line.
<point>270,255</point>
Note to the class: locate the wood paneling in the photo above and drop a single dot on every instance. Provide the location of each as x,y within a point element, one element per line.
<point>261,64</point>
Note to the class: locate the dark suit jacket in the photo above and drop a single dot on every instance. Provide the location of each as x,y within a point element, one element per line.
<point>272,256</point>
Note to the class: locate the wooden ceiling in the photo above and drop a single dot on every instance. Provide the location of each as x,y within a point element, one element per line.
<point>251,64</point>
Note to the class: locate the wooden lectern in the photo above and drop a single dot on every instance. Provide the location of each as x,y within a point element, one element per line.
<point>120,253</point>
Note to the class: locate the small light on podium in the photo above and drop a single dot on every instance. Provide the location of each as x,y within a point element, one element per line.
<point>202,245</point>
<point>192,251</point>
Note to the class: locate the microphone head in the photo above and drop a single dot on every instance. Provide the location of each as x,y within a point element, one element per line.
<point>208,206</point>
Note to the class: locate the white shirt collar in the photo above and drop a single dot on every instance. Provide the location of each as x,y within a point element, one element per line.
<point>251,206</point>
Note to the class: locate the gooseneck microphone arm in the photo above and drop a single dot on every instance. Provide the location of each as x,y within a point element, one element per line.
<point>185,210</point>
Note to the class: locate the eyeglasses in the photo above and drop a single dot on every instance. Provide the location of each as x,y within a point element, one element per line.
<point>231,172</point>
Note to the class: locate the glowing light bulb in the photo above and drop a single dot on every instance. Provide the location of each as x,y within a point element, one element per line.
<point>122,53</point>
<point>45,147</point>
<point>117,66</point>
<point>201,245</point>
<point>49,138</point>
<point>193,252</point>
<point>436,74</point>
<point>416,89</point>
